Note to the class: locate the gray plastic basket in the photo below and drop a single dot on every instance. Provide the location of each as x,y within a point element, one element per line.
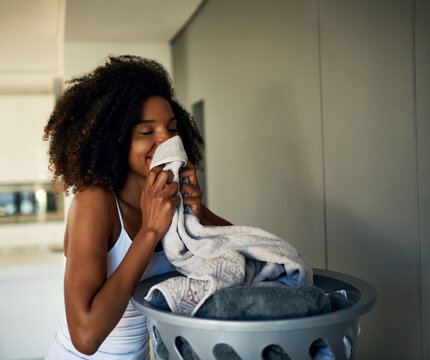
<point>249,339</point>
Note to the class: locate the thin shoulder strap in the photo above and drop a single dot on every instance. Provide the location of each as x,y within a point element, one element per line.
<point>119,211</point>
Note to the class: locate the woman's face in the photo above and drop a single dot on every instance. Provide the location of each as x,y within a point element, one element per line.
<point>157,124</point>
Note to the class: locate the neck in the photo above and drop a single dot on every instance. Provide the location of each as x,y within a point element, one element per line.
<point>131,191</point>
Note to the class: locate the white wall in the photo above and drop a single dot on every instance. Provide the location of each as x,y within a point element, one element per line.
<point>317,129</point>
<point>258,77</point>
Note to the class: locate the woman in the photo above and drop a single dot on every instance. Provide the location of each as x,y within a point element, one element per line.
<point>103,133</point>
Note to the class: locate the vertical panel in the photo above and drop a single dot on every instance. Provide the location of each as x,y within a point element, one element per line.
<point>199,117</point>
<point>422,46</point>
<point>369,145</point>
<point>23,155</point>
<point>256,65</point>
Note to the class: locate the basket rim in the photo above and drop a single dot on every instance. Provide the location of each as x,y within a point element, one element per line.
<point>364,304</point>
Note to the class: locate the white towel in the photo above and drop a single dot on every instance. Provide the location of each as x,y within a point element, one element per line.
<point>214,257</point>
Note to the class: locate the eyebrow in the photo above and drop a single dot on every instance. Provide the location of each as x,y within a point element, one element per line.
<point>153,121</point>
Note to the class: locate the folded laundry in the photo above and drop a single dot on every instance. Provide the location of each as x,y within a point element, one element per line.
<point>216,257</point>
<point>264,303</point>
<point>260,303</point>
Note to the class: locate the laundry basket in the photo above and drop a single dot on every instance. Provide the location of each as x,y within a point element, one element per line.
<point>250,339</point>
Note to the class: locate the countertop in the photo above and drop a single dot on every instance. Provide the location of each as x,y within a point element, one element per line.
<point>29,261</point>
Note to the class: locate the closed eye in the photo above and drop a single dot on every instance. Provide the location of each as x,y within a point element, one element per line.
<point>147,133</point>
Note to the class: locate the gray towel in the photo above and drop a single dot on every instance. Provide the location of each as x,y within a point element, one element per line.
<point>265,303</point>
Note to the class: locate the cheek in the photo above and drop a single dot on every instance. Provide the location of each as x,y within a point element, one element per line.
<point>137,158</point>
<point>139,148</point>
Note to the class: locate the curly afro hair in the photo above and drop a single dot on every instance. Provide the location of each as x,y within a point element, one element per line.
<point>89,130</point>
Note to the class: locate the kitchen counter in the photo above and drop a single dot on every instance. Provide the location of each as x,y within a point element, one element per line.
<point>30,262</point>
<point>30,255</point>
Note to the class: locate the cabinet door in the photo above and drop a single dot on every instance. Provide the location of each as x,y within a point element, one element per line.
<point>23,155</point>
<point>31,308</point>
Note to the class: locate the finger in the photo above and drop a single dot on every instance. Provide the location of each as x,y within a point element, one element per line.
<point>175,201</point>
<point>162,180</point>
<point>193,202</point>
<point>190,190</point>
<point>171,189</point>
<point>189,166</point>
<point>187,172</point>
<point>153,174</point>
<point>190,174</point>
<point>170,177</point>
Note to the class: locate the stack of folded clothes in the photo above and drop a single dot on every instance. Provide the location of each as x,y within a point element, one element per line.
<point>264,303</point>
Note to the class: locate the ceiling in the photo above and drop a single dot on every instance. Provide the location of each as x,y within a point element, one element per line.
<point>29,32</point>
<point>33,32</point>
<point>148,21</point>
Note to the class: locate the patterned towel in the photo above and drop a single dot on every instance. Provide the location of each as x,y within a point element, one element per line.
<point>216,257</point>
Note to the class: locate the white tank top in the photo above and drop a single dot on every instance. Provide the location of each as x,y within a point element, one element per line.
<point>129,339</point>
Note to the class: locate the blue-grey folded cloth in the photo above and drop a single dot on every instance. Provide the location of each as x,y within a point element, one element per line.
<point>339,301</point>
<point>264,303</point>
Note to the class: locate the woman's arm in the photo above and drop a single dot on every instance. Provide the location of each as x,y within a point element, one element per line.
<point>209,218</point>
<point>94,304</point>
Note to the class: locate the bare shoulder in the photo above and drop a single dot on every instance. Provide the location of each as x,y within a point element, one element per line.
<point>91,216</point>
<point>93,196</point>
<point>92,201</point>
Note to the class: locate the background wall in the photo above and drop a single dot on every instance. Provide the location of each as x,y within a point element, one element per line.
<point>422,141</point>
<point>316,121</point>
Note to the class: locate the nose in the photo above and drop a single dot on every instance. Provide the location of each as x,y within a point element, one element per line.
<point>163,136</point>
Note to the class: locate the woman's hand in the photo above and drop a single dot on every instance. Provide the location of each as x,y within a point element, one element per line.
<point>158,201</point>
<point>192,190</point>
